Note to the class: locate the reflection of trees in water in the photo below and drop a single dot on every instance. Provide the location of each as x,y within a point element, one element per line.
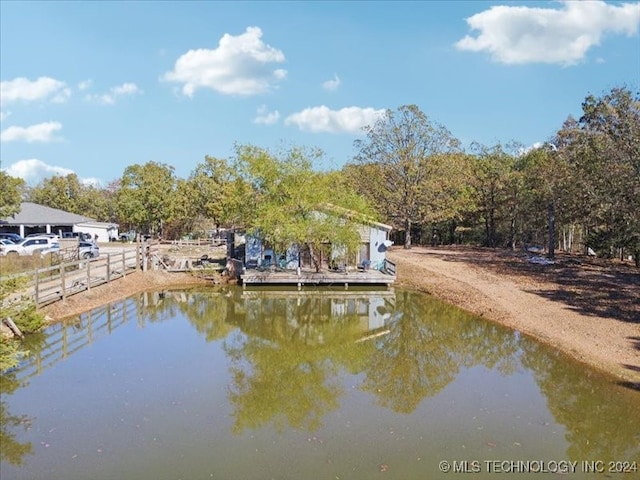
<point>426,349</point>
<point>11,450</point>
<point>285,366</point>
<point>602,422</point>
<point>210,312</point>
<point>294,385</point>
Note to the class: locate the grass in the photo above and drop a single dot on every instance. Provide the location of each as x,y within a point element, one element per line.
<point>12,264</point>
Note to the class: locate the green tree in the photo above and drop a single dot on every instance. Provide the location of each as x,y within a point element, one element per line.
<point>606,153</point>
<point>210,194</point>
<point>145,199</point>
<point>22,310</point>
<point>286,202</point>
<point>11,190</point>
<point>547,180</point>
<point>68,193</point>
<point>212,189</point>
<point>400,153</point>
<point>492,168</point>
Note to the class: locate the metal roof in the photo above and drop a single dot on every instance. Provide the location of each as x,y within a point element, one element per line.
<point>34,214</point>
<point>107,225</point>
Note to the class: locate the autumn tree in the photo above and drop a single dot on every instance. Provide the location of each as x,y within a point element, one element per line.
<point>397,160</point>
<point>607,157</point>
<point>491,176</point>
<point>11,189</point>
<point>146,195</point>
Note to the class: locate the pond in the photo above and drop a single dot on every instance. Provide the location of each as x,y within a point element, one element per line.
<point>319,384</point>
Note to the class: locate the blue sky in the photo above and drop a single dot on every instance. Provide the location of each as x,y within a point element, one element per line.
<point>92,87</point>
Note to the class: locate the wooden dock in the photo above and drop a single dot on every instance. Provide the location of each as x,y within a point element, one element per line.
<point>255,277</point>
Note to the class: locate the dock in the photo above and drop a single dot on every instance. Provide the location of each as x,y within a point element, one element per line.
<point>255,277</point>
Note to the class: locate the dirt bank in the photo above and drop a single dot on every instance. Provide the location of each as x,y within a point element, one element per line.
<point>586,308</point>
<point>134,283</point>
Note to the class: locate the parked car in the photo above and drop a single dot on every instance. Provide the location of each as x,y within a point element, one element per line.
<point>42,234</point>
<point>5,241</point>
<point>28,246</point>
<point>14,237</point>
<point>54,248</point>
<point>80,235</point>
<point>129,236</point>
<point>88,250</point>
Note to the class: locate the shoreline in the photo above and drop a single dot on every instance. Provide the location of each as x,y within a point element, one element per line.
<point>496,285</point>
<point>504,288</point>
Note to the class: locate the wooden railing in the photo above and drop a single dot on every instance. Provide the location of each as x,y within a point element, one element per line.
<point>198,242</point>
<point>50,284</point>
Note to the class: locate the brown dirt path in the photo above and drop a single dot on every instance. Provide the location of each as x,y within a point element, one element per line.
<point>586,308</point>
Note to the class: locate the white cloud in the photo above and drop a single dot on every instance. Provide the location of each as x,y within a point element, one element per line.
<point>519,34</point>
<point>23,89</point>
<point>241,65</point>
<point>322,119</point>
<point>332,84</point>
<point>265,117</point>
<point>33,170</point>
<point>114,94</point>
<point>42,132</point>
<point>85,84</point>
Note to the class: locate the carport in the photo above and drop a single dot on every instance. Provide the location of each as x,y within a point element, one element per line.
<point>34,218</point>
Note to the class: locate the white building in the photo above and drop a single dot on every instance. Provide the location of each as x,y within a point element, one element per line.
<point>34,218</point>
<point>104,232</point>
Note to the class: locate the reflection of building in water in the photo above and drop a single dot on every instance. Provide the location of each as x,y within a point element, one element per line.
<point>373,311</point>
<point>269,312</point>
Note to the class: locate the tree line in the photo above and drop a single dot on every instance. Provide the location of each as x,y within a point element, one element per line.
<point>579,190</point>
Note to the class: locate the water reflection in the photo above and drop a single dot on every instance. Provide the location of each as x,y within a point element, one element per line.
<point>593,416</point>
<point>12,450</point>
<point>288,355</point>
<point>291,346</point>
<point>426,351</point>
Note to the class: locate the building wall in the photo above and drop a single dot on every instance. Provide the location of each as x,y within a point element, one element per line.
<point>372,236</point>
<point>103,233</point>
<point>378,250</point>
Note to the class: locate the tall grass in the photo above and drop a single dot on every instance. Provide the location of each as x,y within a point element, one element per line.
<point>13,264</point>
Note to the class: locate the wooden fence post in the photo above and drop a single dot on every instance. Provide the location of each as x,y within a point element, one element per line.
<point>36,286</point>
<point>88,274</point>
<point>108,267</point>
<point>124,265</point>
<point>63,290</point>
